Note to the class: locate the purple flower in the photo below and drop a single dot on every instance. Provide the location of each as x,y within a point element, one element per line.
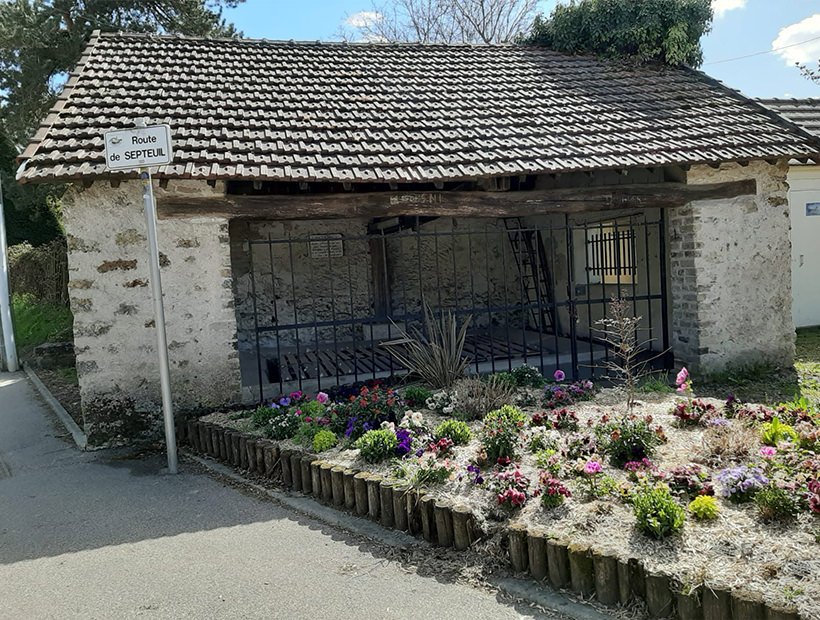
<point>592,467</point>
<point>367,427</point>
<point>559,375</point>
<point>284,401</point>
<point>322,398</point>
<point>767,452</point>
<point>274,406</point>
<point>405,438</point>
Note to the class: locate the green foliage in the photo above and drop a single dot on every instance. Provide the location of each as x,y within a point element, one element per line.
<point>416,396</point>
<point>704,507</point>
<point>774,432</point>
<point>324,440</point>
<point>36,323</point>
<point>501,432</point>
<point>377,445</point>
<point>549,460</point>
<point>435,355</point>
<point>504,379</point>
<point>277,423</point>
<point>596,486</point>
<point>779,502</point>
<point>655,383</point>
<point>528,376</point>
<point>455,430</point>
<point>425,472</point>
<point>629,438</point>
<point>668,31</point>
<point>656,512</point>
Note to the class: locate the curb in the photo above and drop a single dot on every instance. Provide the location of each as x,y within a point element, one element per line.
<point>69,423</point>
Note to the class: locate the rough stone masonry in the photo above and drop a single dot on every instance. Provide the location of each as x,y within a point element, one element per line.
<point>114,331</point>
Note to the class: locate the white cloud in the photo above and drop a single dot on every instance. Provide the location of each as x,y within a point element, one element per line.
<point>363,19</point>
<point>802,31</point>
<point>720,7</point>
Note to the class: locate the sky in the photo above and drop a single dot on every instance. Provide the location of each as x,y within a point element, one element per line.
<point>750,29</point>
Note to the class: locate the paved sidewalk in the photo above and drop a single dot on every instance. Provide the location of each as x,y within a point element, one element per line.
<point>105,535</point>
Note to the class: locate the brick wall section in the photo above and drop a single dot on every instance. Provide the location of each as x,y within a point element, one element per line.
<point>730,272</point>
<point>114,332</point>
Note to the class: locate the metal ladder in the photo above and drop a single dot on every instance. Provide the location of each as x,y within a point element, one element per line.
<point>535,273</point>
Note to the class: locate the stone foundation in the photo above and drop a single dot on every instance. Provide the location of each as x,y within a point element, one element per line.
<point>114,333</point>
<point>730,272</point>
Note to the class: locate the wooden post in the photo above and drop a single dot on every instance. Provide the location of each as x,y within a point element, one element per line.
<point>658,596</point>
<point>386,500</point>
<point>781,614</point>
<point>307,479</point>
<point>260,456</point>
<point>374,497</point>
<point>747,608</point>
<point>624,592</point>
<point>689,606</point>
<point>296,471</point>
<point>316,478</point>
<point>337,488</point>
<point>360,490</point>
<point>537,553</point>
<point>350,489</point>
<point>463,529</point>
<point>606,579</point>
<point>190,433</point>
<point>400,506</point>
<point>236,449</point>
<point>637,579</point>
<point>558,564</point>
<point>287,475</point>
<point>269,458</point>
<point>717,604</point>
<point>413,504</point>
<point>428,518</point>
<point>327,482</point>
<point>581,571</point>
<point>519,556</point>
<point>444,523</point>
<point>243,451</point>
<point>209,439</point>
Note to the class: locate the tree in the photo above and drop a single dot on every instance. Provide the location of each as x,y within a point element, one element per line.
<point>40,42</point>
<point>442,21</point>
<point>810,74</point>
<point>668,31</point>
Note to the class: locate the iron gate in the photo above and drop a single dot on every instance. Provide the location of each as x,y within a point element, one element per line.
<point>316,307</point>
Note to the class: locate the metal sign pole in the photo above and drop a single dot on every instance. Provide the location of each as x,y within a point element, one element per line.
<point>5,299</point>
<point>159,318</point>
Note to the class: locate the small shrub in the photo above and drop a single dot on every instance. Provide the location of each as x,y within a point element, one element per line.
<point>413,421</point>
<point>549,460</point>
<point>511,488</point>
<point>657,513</point>
<point>629,438</point>
<point>528,377</point>
<point>501,432</point>
<point>552,491</point>
<point>377,445</point>
<point>455,430</point>
<point>477,397</point>
<point>542,439</point>
<point>774,432</point>
<point>690,480</point>
<point>503,378</point>
<point>642,470</point>
<point>656,383</point>
<point>442,447</point>
<point>693,412</point>
<point>416,396</point>
<point>562,395</point>
<point>780,502</point>
<point>324,440</point>
<point>579,445</point>
<point>277,422</point>
<point>593,482</point>
<point>431,471</point>
<point>704,507</point>
<point>364,412</point>
<point>808,436</point>
<point>558,420</point>
<point>741,483</point>
<point>442,402</point>
<point>814,495</point>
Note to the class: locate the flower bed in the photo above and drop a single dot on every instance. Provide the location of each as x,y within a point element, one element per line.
<point>706,496</point>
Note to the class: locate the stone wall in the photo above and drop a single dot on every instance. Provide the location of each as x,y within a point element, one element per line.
<point>730,272</point>
<point>114,334</point>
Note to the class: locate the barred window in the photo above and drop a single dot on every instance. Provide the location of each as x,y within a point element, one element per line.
<point>611,254</point>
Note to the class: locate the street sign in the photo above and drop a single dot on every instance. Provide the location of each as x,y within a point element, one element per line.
<point>138,148</point>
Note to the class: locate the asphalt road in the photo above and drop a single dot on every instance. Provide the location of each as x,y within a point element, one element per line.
<point>107,535</point>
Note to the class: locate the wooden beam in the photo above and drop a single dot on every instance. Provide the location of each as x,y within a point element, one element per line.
<point>450,204</point>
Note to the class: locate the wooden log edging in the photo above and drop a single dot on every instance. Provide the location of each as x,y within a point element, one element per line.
<point>614,580</point>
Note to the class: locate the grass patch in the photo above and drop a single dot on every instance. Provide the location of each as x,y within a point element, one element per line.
<point>656,383</point>
<point>35,323</point>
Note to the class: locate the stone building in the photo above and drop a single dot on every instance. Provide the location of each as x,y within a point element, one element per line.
<point>322,195</point>
<point>804,203</point>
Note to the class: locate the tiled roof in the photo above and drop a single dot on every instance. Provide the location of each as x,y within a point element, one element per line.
<point>404,113</point>
<point>804,112</point>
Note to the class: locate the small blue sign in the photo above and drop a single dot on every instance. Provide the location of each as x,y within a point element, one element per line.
<point>813,208</point>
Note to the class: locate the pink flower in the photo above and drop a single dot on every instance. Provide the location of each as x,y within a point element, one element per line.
<point>684,387</point>
<point>308,419</point>
<point>682,378</point>
<point>322,398</point>
<point>592,467</point>
<point>767,452</point>
<point>559,375</point>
